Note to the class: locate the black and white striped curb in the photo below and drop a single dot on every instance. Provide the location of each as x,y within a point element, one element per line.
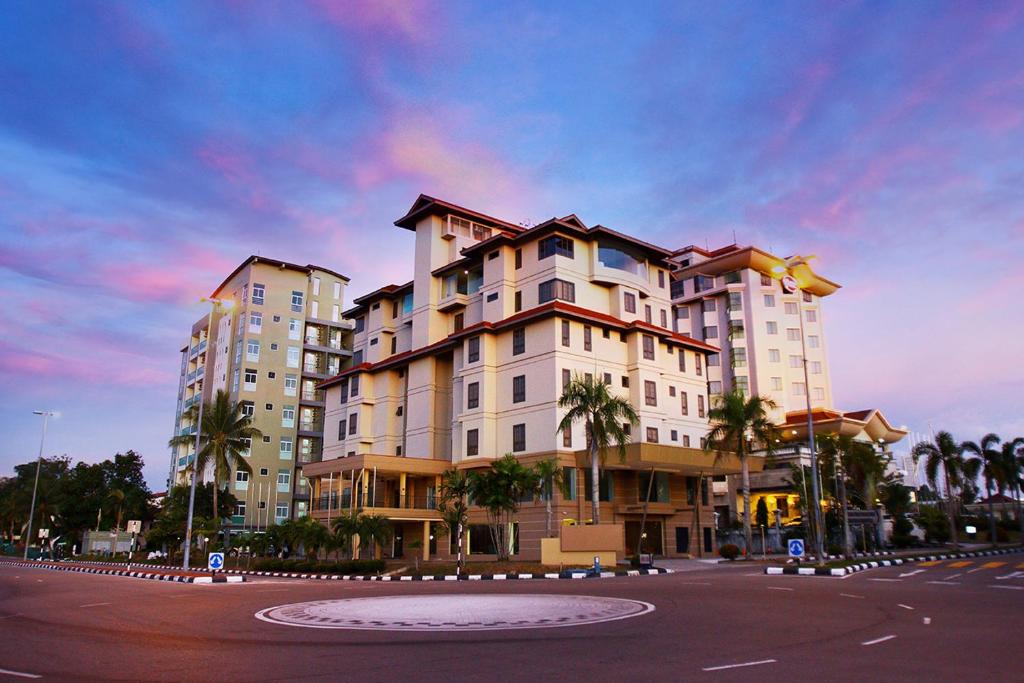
<point>811,558</point>
<point>567,574</point>
<point>130,573</point>
<point>853,569</point>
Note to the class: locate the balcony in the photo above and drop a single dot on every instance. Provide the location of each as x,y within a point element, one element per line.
<point>313,398</point>
<point>393,501</point>
<point>314,370</point>
<point>311,428</point>
<point>306,458</point>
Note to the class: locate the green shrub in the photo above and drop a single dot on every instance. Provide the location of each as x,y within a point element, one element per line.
<point>729,551</point>
<point>934,523</point>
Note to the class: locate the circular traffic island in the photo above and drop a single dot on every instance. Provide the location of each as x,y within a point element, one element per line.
<point>454,612</point>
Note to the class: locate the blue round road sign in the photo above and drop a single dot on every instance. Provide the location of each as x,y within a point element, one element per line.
<point>216,561</point>
<point>796,547</point>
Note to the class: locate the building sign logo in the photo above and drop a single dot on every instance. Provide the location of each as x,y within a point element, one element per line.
<point>789,284</point>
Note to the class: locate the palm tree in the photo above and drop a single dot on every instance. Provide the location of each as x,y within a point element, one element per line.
<point>989,462</point>
<point>452,503</point>
<point>314,537</point>
<point>226,435</point>
<point>589,401</point>
<point>374,530</point>
<point>549,476</point>
<point>946,453</point>
<point>737,423</point>
<point>1012,454</point>
<point>346,527</point>
<point>498,489</point>
<point>118,496</point>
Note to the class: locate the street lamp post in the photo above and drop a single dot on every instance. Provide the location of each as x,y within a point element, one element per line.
<point>199,431</point>
<point>35,487</point>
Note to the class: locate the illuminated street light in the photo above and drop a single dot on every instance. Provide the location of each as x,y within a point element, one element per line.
<point>39,463</point>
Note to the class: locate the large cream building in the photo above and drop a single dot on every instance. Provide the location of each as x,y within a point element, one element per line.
<point>279,332</point>
<point>466,362</point>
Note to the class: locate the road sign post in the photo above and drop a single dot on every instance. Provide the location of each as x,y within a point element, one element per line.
<point>796,548</point>
<point>215,561</point>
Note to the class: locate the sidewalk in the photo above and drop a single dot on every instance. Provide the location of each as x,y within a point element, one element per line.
<point>140,572</point>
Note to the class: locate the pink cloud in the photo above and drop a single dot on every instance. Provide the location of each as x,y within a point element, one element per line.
<point>412,21</point>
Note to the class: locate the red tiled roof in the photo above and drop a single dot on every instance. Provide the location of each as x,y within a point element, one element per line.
<point>425,204</point>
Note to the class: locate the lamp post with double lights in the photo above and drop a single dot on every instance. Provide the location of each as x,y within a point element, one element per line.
<point>227,305</point>
<point>46,414</point>
<point>791,285</point>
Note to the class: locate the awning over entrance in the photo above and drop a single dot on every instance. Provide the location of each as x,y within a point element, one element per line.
<point>676,459</point>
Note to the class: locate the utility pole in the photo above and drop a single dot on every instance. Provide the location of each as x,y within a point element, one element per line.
<point>35,487</point>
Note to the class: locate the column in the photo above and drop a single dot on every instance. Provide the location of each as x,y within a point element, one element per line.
<point>426,541</point>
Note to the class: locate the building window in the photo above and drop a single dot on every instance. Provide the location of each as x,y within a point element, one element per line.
<point>776,384</point>
<point>353,385</point>
<point>799,388</point>
<point>518,438</point>
<point>566,378</point>
<point>353,421</point>
<point>774,356</point>
<point>738,357</point>
<point>255,322</point>
<point>519,389</point>
<point>682,359</point>
<point>284,480</point>
<point>629,301</point>
<point>711,332</point>
<point>708,306</point>
<point>673,435</point>
<point>519,301</point>
<point>769,301</point>
<point>648,343</point>
<point>684,403</point>
<point>285,452</point>
<point>252,350</point>
<point>297,301</point>
<point>258,292</point>
<point>714,387</point>
<point>766,280</point>
<point>493,296</point>
<point>697,365</point>
<point>357,357</point>
<point>587,343</point>
<point>664,318</point>
<point>792,334</point>
<point>241,477</point>
<point>473,395</point>
<point>316,286</point>
<point>813,341</point>
<point>567,438</point>
<point>556,289</point>
<point>819,394</point>
<point>360,324</point>
<point>650,393</point>
<point>736,329</point>
<point>472,349</point>
<point>373,342</point>
<point>686,440</point>
<point>796,361</point>
<point>700,405</point>
<point>460,320</point>
<point>565,333</point>
<point>815,367</point>
<point>472,442</point>
<point>807,297</point>
<point>772,327</point>
<point>742,384</point>
<point>292,356</point>
<point>734,302</point>
<point>555,245</point>
<point>672,391</point>
<point>652,435</point>
<point>791,308</point>
<point>294,329</point>
<point>287,416</point>
<point>647,313</point>
<point>248,408</point>
<point>250,379</point>
<point>519,259</point>
<point>341,429</point>
<point>234,380</point>
<point>337,290</point>
<point>518,341</point>
<point>661,279</point>
<point>625,382</point>
<point>394,345</point>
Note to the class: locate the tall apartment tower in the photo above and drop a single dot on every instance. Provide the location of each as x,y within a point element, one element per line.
<point>734,298</point>
<point>466,363</point>
<point>280,332</point>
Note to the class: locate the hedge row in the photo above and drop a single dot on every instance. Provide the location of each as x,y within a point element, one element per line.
<point>312,567</point>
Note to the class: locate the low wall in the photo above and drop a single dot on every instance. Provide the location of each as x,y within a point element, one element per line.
<point>552,554</point>
<point>591,537</point>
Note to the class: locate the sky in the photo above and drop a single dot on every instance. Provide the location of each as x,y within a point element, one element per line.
<point>148,148</point>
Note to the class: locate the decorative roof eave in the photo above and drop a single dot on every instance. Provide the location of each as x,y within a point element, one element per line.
<point>307,269</point>
<point>761,261</point>
<point>385,292</point>
<point>426,205</point>
<point>871,422</point>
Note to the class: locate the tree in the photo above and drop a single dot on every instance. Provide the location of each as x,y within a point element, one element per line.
<point>374,530</point>
<point>169,526</point>
<point>498,490</point>
<point>945,453</point>
<point>990,464</point>
<point>738,422</point>
<point>117,495</point>
<point>1012,454</point>
<point>315,536</point>
<point>346,527</point>
<point>549,476</point>
<point>845,454</point>
<point>896,498</point>
<point>226,435</point>
<point>761,516</point>
<point>452,503</point>
<point>589,401</point>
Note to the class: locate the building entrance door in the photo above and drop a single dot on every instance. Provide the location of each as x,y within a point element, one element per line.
<point>682,539</point>
<point>652,543</point>
<point>397,550</point>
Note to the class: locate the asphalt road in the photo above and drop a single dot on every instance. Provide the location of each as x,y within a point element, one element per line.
<point>922,622</point>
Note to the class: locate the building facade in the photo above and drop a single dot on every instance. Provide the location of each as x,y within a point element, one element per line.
<point>466,363</point>
<point>279,332</point>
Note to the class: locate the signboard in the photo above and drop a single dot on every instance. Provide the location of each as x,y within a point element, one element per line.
<point>796,547</point>
<point>216,561</point>
<point>44,533</point>
<point>789,284</point>
<point>134,526</point>
<point>862,516</point>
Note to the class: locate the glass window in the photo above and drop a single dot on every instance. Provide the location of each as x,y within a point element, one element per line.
<point>620,259</point>
<point>519,259</point>
<point>556,289</point>
<point>519,388</point>
<point>518,341</point>
<point>652,434</point>
<point>661,279</point>
<point>353,385</point>
<point>791,308</point>
<point>337,290</point>
<point>473,395</point>
<point>250,379</point>
<point>297,298</point>
<point>769,301</point>
<point>294,328</point>
<point>793,334</point>
<point>700,404</point>
<point>738,357</point>
<point>736,329</point>
<point>697,368</point>
<point>774,356</point>
<point>555,245</point>
<point>565,333</point>
<point>258,292</point>
<point>566,378</point>
<point>807,297</point>
<point>605,485</point>
<point>708,305</point>
<point>248,408</point>
<point>815,367</point>
<point>252,350</point>
<point>799,388</point>
<point>813,341</point>
<point>682,360</point>
<point>648,342</point>
<point>567,438</point>
<point>684,403</point>
<point>812,316</point>
<point>569,483</point>
<point>287,416</point>
<point>291,385</point>
<point>714,387</point>
<point>819,394</point>
<point>587,341</point>
<point>796,361</point>
<point>234,380</point>
<point>647,313</point>
<point>286,448</point>
<point>472,442</point>
<point>711,332</point>
<point>629,301</point>
<point>714,360</point>
<point>255,322</point>
<point>518,437</point>
<point>472,349</point>
<point>353,422</point>
<point>360,324</point>
<point>735,301</point>
<point>702,283</point>
<point>664,318</point>
<point>659,492</point>
<point>518,301</point>
<point>766,281</point>
<point>742,384</point>
<point>776,384</point>
<point>292,359</point>
<point>650,393</point>
<point>732,277</point>
<point>772,327</point>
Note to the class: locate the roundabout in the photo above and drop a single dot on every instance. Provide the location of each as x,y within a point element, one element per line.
<point>436,613</point>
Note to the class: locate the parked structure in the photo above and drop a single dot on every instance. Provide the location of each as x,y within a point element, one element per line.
<point>283,334</point>
<point>467,362</point>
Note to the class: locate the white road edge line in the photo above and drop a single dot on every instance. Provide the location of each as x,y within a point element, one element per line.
<point>876,641</point>
<point>848,595</point>
<point>6,672</point>
<point>1010,588</point>
<point>944,583</point>
<point>887,580</point>
<point>778,588</point>
<point>736,666</point>
<point>94,604</point>
<point>900,604</point>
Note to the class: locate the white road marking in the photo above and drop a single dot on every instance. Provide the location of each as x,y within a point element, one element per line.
<point>952,576</point>
<point>887,580</point>
<point>700,583</point>
<point>926,620</point>
<point>900,604</point>
<point>1010,588</point>
<point>735,666</point>
<point>94,604</point>
<point>847,595</point>
<point>19,674</point>
<point>778,588</point>
<point>916,571</point>
<point>1014,575</point>
<point>945,583</point>
<point>876,641</point>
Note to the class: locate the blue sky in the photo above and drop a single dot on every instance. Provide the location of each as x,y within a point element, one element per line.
<point>147,148</point>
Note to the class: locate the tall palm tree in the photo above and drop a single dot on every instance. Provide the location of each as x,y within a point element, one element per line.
<point>226,435</point>
<point>117,495</point>
<point>374,530</point>
<point>453,504</point>
<point>498,489</point>
<point>737,423</point>
<point>944,452</point>
<point>346,527</point>
<point>1012,454</point>
<point>549,476</point>
<point>989,462</point>
<point>589,401</point>
<point>314,536</point>
<point>844,453</point>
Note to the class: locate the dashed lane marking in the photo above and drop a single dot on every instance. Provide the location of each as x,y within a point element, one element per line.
<point>1011,575</point>
<point>945,583</point>
<point>18,674</point>
<point>94,604</point>
<point>887,580</point>
<point>961,563</point>
<point>912,573</point>
<point>778,588</point>
<point>736,666</point>
<point>930,563</point>
<point>987,565</point>
<point>900,604</point>
<point>1011,588</point>
<point>848,595</point>
<point>953,576</point>
<point>876,641</point>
